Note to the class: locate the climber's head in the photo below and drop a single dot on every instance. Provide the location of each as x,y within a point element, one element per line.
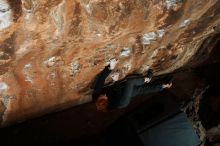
<point>102,103</point>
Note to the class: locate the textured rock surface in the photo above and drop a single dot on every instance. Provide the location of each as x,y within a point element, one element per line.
<point>51,50</point>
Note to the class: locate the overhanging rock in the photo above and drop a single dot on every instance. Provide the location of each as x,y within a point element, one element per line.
<point>51,50</point>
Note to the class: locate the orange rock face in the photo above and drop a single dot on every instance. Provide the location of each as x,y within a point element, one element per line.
<point>51,50</point>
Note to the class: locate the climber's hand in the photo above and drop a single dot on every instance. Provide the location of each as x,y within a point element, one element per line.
<point>167,86</point>
<point>112,63</point>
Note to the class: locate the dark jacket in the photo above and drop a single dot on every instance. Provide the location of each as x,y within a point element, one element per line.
<point>120,94</point>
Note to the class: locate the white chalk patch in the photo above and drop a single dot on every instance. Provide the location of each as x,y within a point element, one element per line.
<point>125,52</point>
<point>51,76</point>
<point>144,68</point>
<point>127,66</point>
<point>115,76</point>
<point>29,65</point>
<point>6,99</point>
<point>4,6</point>
<point>25,72</point>
<point>52,59</point>
<point>99,35</point>
<point>88,8</point>
<point>27,16</point>
<point>29,79</point>
<point>50,62</point>
<point>56,14</point>
<point>160,33</point>
<point>171,3</point>
<point>24,48</point>
<point>74,67</point>
<point>148,37</point>
<point>5,15</point>
<point>184,23</point>
<point>3,87</point>
<point>154,54</point>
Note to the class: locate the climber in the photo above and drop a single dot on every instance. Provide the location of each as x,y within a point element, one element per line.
<point>119,95</point>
